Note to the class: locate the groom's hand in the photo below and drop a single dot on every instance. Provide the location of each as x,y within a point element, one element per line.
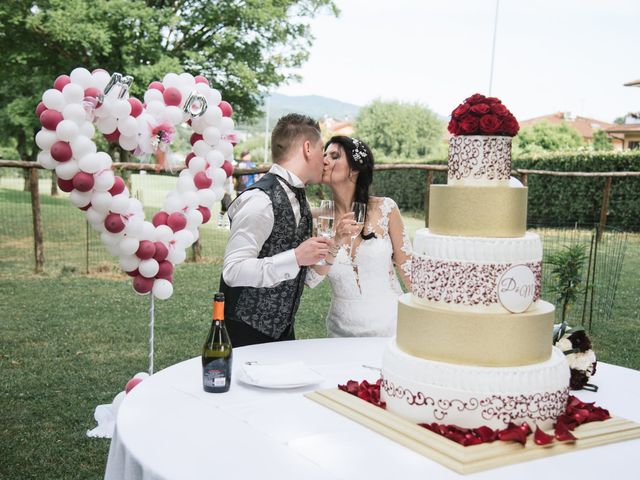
<point>311,251</point>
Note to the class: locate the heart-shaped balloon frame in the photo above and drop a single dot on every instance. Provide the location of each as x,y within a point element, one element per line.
<point>82,101</point>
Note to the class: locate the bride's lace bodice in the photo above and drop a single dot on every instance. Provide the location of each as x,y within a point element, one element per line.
<point>365,287</point>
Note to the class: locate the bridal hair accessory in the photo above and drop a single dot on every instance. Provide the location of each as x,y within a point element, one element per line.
<point>359,152</point>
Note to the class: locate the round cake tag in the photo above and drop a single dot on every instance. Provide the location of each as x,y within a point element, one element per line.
<point>516,288</point>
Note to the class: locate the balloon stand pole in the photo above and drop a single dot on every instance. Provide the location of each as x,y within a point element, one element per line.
<point>151,322</point>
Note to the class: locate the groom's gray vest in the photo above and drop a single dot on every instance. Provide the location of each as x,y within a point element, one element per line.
<point>271,310</point>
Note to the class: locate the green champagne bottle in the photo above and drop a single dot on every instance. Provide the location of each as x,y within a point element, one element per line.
<point>217,353</point>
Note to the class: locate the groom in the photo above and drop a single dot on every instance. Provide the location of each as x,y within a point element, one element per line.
<point>270,244</point>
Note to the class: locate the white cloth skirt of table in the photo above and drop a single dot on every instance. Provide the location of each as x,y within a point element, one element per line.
<point>168,428</point>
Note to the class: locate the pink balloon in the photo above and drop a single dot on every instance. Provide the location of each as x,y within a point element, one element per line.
<point>189,157</point>
<point>227,167</point>
<point>227,109</point>
<point>134,381</point>
<point>92,92</point>
<point>201,79</point>
<point>50,119</point>
<point>65,185</point>
<point>195,137</point>
<point>160,218</point>
<point>136,107</point>
<point>40,108</point>
<point>113,136</point>
<point>142,284</point>
<point>172,96</point>
<point>201,180</point>
<point>61,151</point>
<point>161,251</point>
<point>146,250</point>
<point>113,223</point>
<point>83,181</point>
<point>177,221</point>
<point>206,214</point>
<point>61,82</point>
<point>156,86</point>
<point>118,186</point>
<point>165,271</point>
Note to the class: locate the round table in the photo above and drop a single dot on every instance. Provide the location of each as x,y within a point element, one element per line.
<point>168,428</point>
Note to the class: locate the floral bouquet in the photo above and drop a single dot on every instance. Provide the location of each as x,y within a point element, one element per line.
<point>575,344</point>
<point>480,115</point>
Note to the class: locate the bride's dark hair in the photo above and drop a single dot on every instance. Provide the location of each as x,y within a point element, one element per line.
<point>360,159</point>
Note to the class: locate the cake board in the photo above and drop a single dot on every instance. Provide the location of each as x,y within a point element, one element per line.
<point>474,458</point>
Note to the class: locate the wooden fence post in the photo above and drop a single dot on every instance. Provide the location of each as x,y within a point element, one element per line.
<point>426,197</point>
<point>196,251</point>
<point>604,209</point>
<point>38,242</point>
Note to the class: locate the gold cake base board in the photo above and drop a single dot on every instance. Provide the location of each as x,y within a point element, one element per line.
<point>473,458</point>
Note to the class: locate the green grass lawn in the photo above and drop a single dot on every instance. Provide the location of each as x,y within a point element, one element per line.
<point>70,341</point>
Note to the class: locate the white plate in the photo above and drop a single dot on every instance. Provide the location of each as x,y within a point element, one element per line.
<point>312,378</point>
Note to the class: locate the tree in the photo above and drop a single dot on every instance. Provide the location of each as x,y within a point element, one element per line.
<point>602,141</point>
<point>544,136</point>
<point>399,130</point>
<point>243,47</point>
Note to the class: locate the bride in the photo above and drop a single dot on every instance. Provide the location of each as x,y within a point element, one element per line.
<point>361,266</point>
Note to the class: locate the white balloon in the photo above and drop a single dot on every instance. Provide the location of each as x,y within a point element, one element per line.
<point>129,263</point>
<point>128,143</point>
<point>45,139</point>
<point>105,159</point>
<point>46,160</point>
<point>173,203</point>
<point>82,146</point>
<point>211,135</point>
<point>74,93</point>
<point>215,96</point>
<point>54,99</point>
<point>90,163</point>
<point>174,114</point>
<point>148,230</point>
<point>215,159</point>
<point>185,184</point>
<point>184,238</point>
<point>75,113</point>
<point>162,289</point>
<point>148,268</point>
<point>190,199</point>
<point>134,227</point>
<point>176,255</point>
<point>66,170</point>
<point>152,95</point>
<point>218,175</point>
<point>187,79</point>
<point>206,197</point>
<point>198,125</point>
<point>201,148</point>
<point>81,76</point>
<point>226,124</point>
<point>163,233</point>
<point>203,88</point>
<point>100,79</point>
<point>128,125</point>
<point>112,239</point>
<point>101,201</point>
<point>171,80</point>
<point>141,375</point>
<point>218,193</point>
<point>80,199</point>
<point>107,124</point>
<point>135,207</point>
<point>104,110</point>
<point>103,181</point>
<point>120,203</point>
<point>212,116</point>
<point>128,246</point>
<point>67,130</point>
<point>194,219</point>
<point>197,164</point>
<point>87,129</point>
<point>121,108</point>
<point>226,148</point>
<point>95,216</point>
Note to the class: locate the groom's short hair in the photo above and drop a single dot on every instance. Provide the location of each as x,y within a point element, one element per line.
<point>290,129</point>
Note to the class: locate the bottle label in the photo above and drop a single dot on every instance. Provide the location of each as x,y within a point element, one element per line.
<point>215,373</point>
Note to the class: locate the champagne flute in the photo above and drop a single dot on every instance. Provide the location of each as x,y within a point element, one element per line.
<point>359,210</point>
<point>325,226</point>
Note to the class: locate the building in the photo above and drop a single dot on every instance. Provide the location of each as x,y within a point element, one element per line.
<point>629,131</point>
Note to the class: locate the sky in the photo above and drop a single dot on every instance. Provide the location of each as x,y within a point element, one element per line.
<point>550,55</point>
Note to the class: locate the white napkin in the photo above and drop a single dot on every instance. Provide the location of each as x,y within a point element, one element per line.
<point>106,418</point>
<point>280,375</point>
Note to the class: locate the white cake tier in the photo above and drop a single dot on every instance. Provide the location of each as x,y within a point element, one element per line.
<point>479,160</point>
<point>425,391</point>
<point>462,273</point>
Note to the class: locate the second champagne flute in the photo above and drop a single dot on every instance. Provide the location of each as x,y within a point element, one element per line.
<point>359,210</point>
<point>325,222</point>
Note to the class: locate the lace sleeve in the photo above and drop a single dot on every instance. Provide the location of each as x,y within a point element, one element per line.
<point>313,278</point>
<point>401,245</point>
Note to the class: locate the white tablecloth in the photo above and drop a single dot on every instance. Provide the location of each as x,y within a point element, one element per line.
<point>168,428</point>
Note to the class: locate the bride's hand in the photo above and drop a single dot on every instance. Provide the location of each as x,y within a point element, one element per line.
<point>345,228</point>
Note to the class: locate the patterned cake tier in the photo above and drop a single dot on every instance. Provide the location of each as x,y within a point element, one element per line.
<point>463,272</point>
<point>478,211</point>
<point>479,160</point>
<point>472,338</point>
<point>425,391</point>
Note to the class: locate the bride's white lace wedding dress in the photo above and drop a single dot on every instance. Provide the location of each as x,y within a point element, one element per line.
<point>365,287</point>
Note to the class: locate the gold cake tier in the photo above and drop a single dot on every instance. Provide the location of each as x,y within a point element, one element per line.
<point>475,338</point>
<point>478,211</point>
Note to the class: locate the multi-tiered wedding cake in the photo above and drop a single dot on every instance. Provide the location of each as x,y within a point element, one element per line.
<point>474,339</point>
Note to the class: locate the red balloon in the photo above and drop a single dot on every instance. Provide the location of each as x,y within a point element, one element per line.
<point>136,107</point>
<point>86,207</point>
<point>146,250</point>
<point>160,218</point>
<point>172,96</point>
<point>113,136</point>
<point>161,251</point>
<point>157,86</point>
<point>134,381</point>
<point>195,137</point>
<point>113,223</point>
<point>92,92</point>
<point>50,119</point>
<point>133,273</point>
<point>118,186</point>
<point>142,284</point>
<point>206,213</point>
<point>201,79</point>
<point>177,221</point>
<point>65,185</point>
<point>165,270</point>
<point>189,157</point>
<point>227,109</point>
<point>40,108</point>
<point>201,180</point>
<point>83,181</point>
<point>227,167</point>
<point>61,82</point>
<point>61,151</point>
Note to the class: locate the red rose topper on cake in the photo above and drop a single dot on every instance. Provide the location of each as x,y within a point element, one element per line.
<point>480,115</point>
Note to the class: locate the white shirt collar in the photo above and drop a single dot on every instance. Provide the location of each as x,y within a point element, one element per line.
<point>287,175</point>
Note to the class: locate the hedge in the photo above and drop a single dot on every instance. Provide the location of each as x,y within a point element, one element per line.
<point>552,200</point>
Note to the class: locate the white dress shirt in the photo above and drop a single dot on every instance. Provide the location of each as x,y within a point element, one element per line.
<point>251,216</point>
